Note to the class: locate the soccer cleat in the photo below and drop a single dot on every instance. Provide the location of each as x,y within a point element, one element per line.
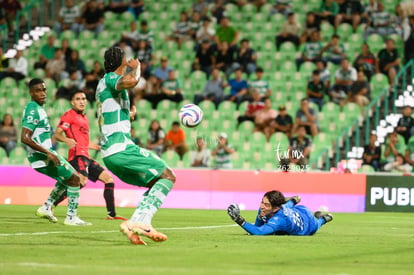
<point>46,213</point>
<point>326,216</point>
<point>133,237</point>
<point>116,218</point>
<point>294,199</point>
<point>75,221</point>
<point>148,231</point>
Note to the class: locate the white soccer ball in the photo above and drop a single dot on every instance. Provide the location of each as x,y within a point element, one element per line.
<point>190,115</point>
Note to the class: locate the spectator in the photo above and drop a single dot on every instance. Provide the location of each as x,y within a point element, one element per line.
<point>76,64</point>
<point>150,91</point>
<point>281,6</point>
<point>175,140</point>
<point>156,137</point>
<point>399,165</point>
<point>345,76</point>
<point>171,88</point>
<point>405,125</point>
<point>389,61</point>
<point>260,84</point>
<point>55,67</point>
<point>200,7</point>
<point>194,25</point>
<point>372,153</point>
<point>306,116</point>
<point>282,123</point>
<point>18,67</point>
<point>334,50</point>
<point>201,156</point>
<point>252,108</point>
<point>145,34</point>
<point>366,61</point>
<point>328,11</point>
<point>264,117</point>
<point>92,18</point>
<point>409,40</point>
<point>117,6</point>
<point>311,25</point>
<point>316,90</point>
<point>224,58</point>
<point>350,11</point>
<point>238,88</point>
<point>69,17</point>
<point>4,61</point>
<point>161,73</point>
<point>180,33</point>
<point>213,90</point>
<point>70,86</point>
<point>11,8</point>
<point>299,150</point>
<point>218,10</point>
<point>226,32</point>
<point>245,57</point>
<point>129,53</point>
<point>360,91</point>
<point>223,153</point>
<point>311,50</point>
<point>369,9</point>
<point>48,50</point>
<point>92,79</point>
<point>66,49</point>
<point>324,73</point>
<point>290,32</point>
<point>144,55</point>
<point>136,140</point>
<point>393,147</point>
<point>131,37</point>
<point>380,23</point>
<point>204,59</point>
<point>205,32</point>
<point>8,134</point>
<point>136,8</point>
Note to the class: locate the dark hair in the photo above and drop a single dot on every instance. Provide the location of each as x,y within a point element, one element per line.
<point>7,114</point>
<point>144,23</point>
<point>34,82</point>
<point>175,123</point>
<point>315,72</point>
<point>75,93</point>
<point>259,70</point>
<point>304,99</point>
<point>113,58</point>
<point>244,40</point>
<point>336,36</point>
<point>276,198</point>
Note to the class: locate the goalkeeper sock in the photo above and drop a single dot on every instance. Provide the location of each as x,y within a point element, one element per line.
<point>109,198</point>
<point>59,189</point>
<point>73,200</point>
<point>151,201</point>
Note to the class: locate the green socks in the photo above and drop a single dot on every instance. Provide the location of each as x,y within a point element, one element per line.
<point>73,200</point>
<point>151,201</point>
<point>59,189</point>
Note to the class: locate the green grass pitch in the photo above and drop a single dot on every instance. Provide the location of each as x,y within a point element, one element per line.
<point>203,242</point>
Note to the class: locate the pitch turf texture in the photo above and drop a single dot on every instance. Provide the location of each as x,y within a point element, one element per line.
<point>203,242</point>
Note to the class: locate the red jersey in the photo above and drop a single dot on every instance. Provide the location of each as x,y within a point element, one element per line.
<point>76,126</point>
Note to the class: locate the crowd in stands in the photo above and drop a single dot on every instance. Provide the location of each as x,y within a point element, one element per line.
<point>230,62</point>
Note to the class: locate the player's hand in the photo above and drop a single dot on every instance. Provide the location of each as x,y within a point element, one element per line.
<point>53,158</point>
<point>70,142</point>
<point>132,112</point>
<point>234,212</point>
<point>133,63</point>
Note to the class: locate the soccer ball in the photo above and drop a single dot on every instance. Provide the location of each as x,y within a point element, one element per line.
<point>190,115</point>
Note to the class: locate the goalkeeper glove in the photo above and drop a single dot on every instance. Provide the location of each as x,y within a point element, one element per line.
<point>234,212</point>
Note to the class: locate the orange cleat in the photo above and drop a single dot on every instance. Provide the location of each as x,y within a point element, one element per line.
<point>116,218</point>
<point>148,231</point>
<point>133,237</point>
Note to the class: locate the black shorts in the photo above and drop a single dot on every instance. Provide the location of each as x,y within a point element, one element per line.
<point>87,167</point>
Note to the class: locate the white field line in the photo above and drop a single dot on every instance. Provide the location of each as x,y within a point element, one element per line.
<point>110,231</point>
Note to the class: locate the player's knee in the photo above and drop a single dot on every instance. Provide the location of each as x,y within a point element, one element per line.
<point>169,175</point>
<point>106,178</point>
<point>74,180</point>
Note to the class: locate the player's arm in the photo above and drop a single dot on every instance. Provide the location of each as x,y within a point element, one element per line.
<point>130,80</point>
<point>94,146</point>
<point>60,136</point>
<point>26,138</point>
<point>234,212</point>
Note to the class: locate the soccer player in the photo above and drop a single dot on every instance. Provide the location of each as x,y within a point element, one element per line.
<point>36,134</point>
<point>281,216</point>
<point>131,163</point>
<point>73,129</point>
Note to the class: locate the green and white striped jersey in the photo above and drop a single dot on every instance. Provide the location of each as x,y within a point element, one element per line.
<point>259,84</point>
<point>36,120</point>
<point>223,159</point>
<point>113,115</point>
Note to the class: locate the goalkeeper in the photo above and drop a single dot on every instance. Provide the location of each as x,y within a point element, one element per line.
<point>281,216</point>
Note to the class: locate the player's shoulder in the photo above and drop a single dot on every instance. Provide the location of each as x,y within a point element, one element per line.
<point>31,108</point>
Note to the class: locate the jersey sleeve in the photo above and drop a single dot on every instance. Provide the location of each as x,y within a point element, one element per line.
<point>30,118</point>
<point>111,80</point>
<point>265,229</point>
<point>64,122</point>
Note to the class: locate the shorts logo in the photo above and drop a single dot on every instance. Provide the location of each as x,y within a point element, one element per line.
<point>153,171</point>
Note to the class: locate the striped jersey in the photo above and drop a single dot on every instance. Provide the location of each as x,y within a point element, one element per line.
<point>113,115</point>
<point>260,84</point>
<point>381,18</point>
<point>223,159</point>
<point>312,49</point>
<point>36,120</point>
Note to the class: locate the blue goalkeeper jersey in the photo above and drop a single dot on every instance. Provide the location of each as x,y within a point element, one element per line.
<point>288,220</point>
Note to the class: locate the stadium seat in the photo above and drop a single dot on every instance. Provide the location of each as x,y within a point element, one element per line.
<point>246,126</point>
<point>327,30</point>
<point>378,83</point>
<point>331,110</point>
<point>344,31</point>
<point>280,140</point>
<point>257,140</point>
<point>4,160</point>
<point>166,105</point>
<point>171,158</point>
<point>227,108</point>
<point>288,49</point>
<point>366,169</point>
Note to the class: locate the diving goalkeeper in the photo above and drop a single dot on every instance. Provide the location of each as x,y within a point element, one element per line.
<point>281,216</point>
